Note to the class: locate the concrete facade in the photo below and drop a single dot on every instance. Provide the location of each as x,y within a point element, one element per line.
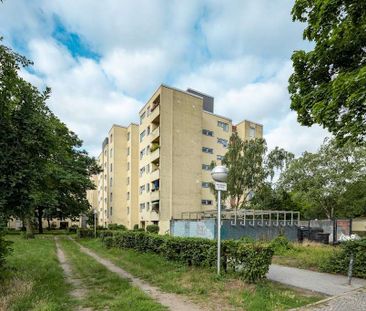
<point>155,171</point>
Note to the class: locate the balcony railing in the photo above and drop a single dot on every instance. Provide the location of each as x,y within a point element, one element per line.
<point>155,195</point>
<point>154,114</point>
<point>155,134</point>
<point>155,175</point>
<point>155,155</point>
<point>154,216</point>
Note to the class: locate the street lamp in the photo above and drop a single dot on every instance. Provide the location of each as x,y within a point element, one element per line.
<point>219,175</point>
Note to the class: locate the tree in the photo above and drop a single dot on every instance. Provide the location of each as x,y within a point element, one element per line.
<point>319,181</point>
<point>328,85</point>
<point>250,168</point>
<point>42,166</point>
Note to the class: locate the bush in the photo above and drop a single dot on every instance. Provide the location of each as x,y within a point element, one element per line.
<point>152,228</point>
<point>5,250</point>
<point>135,226</point>
<point>251,261</point>
<point>73,229</point>
<point>85,233</point>
<point>116,227</point>
<point>280,245</point>
<point>339,262</point>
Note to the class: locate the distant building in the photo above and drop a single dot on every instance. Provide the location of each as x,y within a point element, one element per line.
<point>154,171</point>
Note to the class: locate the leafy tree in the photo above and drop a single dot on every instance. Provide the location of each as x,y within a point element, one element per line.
<point>42,166</point>
<point>319,181</point>
<point>250,168</point>
<point>328,85</point>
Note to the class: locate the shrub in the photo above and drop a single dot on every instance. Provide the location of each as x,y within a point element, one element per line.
<point>152,228</point>
<point>280,245</point>
<point>251,261</point>
<point>4,250</point>
<point>85,233</point>
<point>116,227</point>
<point>339,262</point>
<point>73,229</point>
<point>135,226</point>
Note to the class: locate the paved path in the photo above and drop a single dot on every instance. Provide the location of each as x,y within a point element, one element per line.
<point>172,301</point>
<point>351,301</point>
<point>324,283</point>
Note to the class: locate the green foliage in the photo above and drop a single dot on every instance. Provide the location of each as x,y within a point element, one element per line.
<point>152,228</point>
<point>116,227</point>
<point>85,233</point>
<point>135,226</point>
<point>250,260</point>
<point>328,83</point>
<point>280,245</point>
<point>250,166</point>
<point>43,169</point>
<point>339,262</point>
<point>319,181</point>
<point>72,229</point>
<point>5,250</point>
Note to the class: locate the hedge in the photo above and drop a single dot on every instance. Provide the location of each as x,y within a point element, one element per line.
<point>5,250</point>
<point>250,260</point>
<point>89,233</point>
<point>339,262</point>
<point>152,228</point>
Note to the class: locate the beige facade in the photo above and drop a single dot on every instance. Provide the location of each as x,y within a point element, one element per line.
<point>160,168</point>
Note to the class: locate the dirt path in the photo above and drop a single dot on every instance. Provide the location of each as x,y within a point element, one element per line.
<point>79,291</point>
<point>172,301</point>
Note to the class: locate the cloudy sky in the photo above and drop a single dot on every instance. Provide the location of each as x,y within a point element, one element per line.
<point>103,59</point>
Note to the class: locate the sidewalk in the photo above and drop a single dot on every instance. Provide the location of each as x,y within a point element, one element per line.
<point>324,283</point>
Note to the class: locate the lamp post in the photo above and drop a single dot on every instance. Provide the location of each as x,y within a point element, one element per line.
<point>219,175</point>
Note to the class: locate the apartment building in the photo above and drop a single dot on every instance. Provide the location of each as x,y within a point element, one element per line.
<point>165,159</point>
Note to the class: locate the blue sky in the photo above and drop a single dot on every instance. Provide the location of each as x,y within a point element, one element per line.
<point>103,59</point>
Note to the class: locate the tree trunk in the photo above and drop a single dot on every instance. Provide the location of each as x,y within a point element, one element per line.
<point>29,228</point>
<point>48,223</point>
<point>40,216</point>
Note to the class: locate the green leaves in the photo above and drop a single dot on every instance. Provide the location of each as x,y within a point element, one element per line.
<point>328,84</point>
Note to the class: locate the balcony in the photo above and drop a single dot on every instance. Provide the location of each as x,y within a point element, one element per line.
<point>155,115</point>
<point>155,134</point>
<point>155,155</point>
<point>155,175</point>
<point>155,195</point>
<point>154,216</point>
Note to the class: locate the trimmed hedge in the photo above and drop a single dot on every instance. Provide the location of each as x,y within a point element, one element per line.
<point>339,262</point>
<point>250,260</point>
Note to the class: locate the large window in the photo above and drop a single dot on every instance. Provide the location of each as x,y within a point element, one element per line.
<point>223,125</point>
<point>207,132</point>
<point>142,135</point>
<point>207,150</point>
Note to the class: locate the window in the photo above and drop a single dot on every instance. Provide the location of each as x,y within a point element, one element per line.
<point>147,187</point>
<point>142,207</point>
<point>128,136</point>
<point>148,206</point>
<point>206,202</point>
<point>128,166</point>
<point>206,167</point>
<point>252,132</point>
<point>111,139</point>
<point>142,135</point>
<point>111,167</point>
<point>128,151</point>
<point>142,153</point>
<point>148,111</point>
<point>207,150</point>
<point>207,132</point>
<point>128,210</point>
<point>111,210</point>
<point>110,182</point>
<point>223,142</point>
<point>148,168</point>
<point>148,130</point>
<point>128,195</point>
<point>111,152</point>
<point>142,189</point>
<point>128,180</point>
<point>223,125</point>
<point>148,150</point>
<point>142,171</point>
<point>142,117</point>
<point>205,185</point>
<point>220,157</point>
<point>111,197</point>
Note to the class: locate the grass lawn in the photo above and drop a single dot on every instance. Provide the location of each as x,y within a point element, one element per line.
<point>105,289</point>
<point>306,256</point>
<point>34,280</point>
<point>202,285</point>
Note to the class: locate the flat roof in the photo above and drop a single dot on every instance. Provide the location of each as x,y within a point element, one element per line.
<point>217,115</point>
<point>245,120</point>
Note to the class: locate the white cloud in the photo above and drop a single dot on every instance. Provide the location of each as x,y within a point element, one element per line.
<point>291,136</point>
